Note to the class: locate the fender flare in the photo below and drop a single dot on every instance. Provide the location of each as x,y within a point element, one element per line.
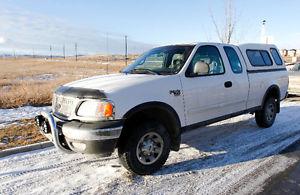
<point>267,93</point>
<point>175,125</point>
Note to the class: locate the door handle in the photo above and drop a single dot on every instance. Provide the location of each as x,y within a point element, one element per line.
<point>228,84</point>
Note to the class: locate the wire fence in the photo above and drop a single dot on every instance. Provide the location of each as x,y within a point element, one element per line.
<point>109,47</point>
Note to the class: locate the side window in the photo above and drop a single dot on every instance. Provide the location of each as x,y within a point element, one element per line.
<point>276,56</point>
<point>266,57</point>
<point>206,61</point>
<point>259,58</point>
<point>255,58</point>
<point>234,60</point>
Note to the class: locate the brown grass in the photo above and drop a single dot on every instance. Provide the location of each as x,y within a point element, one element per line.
<point>20,84</point>
<point>21,134</point>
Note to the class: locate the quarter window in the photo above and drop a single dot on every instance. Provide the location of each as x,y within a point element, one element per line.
<point>276,56</point>
<point>206,61</point>
<point>259,58</point>
<point>233,59</point>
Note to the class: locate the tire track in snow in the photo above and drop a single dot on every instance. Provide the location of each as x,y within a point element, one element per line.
<point>233,156</point>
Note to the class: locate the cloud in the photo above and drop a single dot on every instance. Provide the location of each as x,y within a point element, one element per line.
<point>25,31</point>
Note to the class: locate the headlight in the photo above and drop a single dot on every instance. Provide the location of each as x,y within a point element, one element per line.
<point>96,109</point>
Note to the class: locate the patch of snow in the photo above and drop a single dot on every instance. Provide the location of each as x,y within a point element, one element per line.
<point>6,88</point>
<point>10,116</point>
<point>40,77</point>
<point>230,157</point>
<point>290,67</point>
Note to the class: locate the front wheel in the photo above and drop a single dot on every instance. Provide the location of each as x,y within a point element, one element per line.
<point>266,116</point>
<point>147,149</point>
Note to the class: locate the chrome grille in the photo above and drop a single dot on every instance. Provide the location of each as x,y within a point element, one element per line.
<point>63,105</point>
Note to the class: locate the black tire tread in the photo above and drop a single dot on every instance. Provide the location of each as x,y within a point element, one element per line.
<point>260,115</point>
<point>125,158</point>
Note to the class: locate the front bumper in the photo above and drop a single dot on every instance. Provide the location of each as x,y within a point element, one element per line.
<point>75,136</point>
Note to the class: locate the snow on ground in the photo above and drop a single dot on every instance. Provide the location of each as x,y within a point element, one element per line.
<point>39,77</point>
<point>11,116</point>
<point>229,157</point>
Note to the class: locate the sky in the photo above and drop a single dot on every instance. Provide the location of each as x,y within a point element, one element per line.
<point>31,26</point>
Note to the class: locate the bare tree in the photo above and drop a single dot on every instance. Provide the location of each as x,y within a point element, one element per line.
<point>226,30</point>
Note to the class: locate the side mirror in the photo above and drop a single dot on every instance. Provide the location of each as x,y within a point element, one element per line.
<point>201,68</point>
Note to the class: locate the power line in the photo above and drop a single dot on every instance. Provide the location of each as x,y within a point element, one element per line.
<point>64,51</point>
<point>76,51</point>
<point>107,53</point>
<point>126,51</point>
<point>50,52</point>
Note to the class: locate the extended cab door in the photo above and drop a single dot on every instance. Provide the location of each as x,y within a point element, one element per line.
<point>211,88</point>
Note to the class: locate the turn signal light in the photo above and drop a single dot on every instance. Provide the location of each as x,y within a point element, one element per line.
<point>106,108</point>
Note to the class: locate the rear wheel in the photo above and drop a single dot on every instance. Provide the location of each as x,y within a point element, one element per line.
<point>266,116</point>
<point>147,149</point>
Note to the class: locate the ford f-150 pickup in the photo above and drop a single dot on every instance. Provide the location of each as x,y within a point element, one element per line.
<point>143,110</point>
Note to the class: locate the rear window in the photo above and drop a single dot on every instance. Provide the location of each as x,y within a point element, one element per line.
<point>266,57</point>
<point>276,56</point>
<point>259,58</point>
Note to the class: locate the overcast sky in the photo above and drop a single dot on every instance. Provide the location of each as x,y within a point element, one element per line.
<point>27,25</point>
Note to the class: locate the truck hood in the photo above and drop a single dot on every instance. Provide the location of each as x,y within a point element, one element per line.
<point>113,82</point>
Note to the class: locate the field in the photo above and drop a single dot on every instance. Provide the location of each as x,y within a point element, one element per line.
<point>31,81</point>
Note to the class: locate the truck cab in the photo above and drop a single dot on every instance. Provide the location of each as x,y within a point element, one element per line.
<point>143,110</point>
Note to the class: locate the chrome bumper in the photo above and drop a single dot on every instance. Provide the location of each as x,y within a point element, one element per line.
<point>74,136</point>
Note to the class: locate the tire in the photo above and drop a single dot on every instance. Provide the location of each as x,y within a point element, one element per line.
<point>147,149</point>
<point>266,117</point>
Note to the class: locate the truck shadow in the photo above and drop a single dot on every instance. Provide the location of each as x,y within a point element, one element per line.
<point>234,141</point>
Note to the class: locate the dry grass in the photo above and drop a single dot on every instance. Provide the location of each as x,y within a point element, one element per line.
<point>22,82</point>
<point>21,134</point>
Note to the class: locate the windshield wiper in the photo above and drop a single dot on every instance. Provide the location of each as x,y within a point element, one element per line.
<point>143,71</point>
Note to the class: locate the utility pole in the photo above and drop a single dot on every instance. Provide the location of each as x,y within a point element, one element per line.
<point>76,51</point>
<point>263,36</point>
<point>50,52</point>
<point>126,50</point>
<point>107,53</point>
<point>15,54</point>
<point>64,51</point>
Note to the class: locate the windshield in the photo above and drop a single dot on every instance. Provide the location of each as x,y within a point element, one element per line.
<point>163,60</point>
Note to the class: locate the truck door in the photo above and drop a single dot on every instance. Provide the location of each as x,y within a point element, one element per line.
<point>209,84</point>
<point>237,94</point>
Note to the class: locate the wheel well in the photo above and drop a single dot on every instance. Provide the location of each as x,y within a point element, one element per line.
<point>152,111</point>
<point>273,91</point>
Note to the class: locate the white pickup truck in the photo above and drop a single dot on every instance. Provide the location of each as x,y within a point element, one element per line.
<point>143,110</point>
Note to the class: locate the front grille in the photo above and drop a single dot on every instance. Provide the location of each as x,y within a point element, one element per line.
<point>63,105</point>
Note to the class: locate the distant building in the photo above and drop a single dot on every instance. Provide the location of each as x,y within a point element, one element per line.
<point>284,52</point>
<point>290,56</point>
<point>292,52</point>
